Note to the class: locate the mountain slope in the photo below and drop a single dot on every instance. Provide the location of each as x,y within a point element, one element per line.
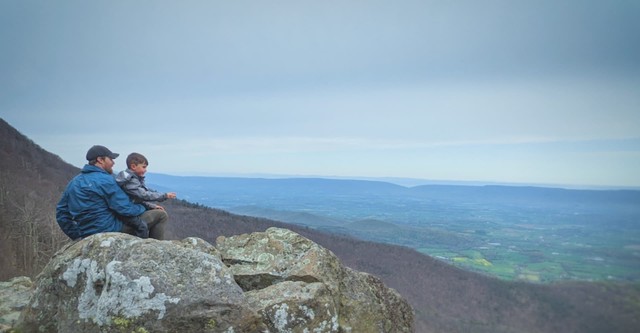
<point>31,180</point>
<point>445,298</point>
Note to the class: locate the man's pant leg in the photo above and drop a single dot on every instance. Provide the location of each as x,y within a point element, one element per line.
<point>156,220</point>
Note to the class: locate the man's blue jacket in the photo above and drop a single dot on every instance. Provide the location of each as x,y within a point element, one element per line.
<point>91,203</point>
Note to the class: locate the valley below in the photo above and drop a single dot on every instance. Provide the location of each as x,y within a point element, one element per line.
<point>513,233</point>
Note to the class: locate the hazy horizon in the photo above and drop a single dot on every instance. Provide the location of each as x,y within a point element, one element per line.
<point>405,182</point>
<point>541,92</point>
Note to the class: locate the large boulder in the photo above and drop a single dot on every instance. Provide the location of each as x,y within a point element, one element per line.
<point>273,281</point>
<point>114,282</point>
<point>296,284</point>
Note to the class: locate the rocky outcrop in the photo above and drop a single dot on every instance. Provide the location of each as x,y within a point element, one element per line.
<point>295,284</point>
<point>273,281</point>
<point>14,296</point>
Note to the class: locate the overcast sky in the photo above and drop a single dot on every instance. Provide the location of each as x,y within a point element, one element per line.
<point>537,91</point>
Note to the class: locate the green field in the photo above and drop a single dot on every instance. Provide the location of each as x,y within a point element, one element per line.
<point>541,255</point>
<point>509,243</point>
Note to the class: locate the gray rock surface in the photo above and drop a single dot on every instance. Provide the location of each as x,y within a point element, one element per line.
<point>295,284</point>
<point>272,281</point>
<point>14,297</point>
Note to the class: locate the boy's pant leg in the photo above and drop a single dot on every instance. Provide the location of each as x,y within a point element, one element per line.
<point>156,220</point>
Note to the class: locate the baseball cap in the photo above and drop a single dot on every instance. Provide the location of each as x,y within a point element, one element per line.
<point>97,151</point>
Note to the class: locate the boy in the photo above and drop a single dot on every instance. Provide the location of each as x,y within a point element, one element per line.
<point>132,182</point>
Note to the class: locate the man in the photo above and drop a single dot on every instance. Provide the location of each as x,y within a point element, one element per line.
<point>92,201</point>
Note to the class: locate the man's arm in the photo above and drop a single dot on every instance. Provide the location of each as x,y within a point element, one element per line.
<point>65,220</point>
<point>119,202</point>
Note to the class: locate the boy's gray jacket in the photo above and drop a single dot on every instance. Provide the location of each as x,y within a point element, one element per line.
<point>135,187</point>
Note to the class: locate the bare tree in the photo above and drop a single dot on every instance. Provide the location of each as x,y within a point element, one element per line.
<point>32,233</point>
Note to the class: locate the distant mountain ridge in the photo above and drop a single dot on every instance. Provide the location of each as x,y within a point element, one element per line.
<point>407,182</point>
<point>315,186</point>
<point>302,218</point>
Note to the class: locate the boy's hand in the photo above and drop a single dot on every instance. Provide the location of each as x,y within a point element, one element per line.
<point>159,207</point>
<point>171,195</point>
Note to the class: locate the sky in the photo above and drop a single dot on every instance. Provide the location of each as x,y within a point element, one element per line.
<point>528,92</point>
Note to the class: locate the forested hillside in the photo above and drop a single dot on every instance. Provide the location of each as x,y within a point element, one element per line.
<point>445,298</point>
<point>31,181</point>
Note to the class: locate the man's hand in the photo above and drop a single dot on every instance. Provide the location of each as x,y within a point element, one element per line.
<point>171,195</point>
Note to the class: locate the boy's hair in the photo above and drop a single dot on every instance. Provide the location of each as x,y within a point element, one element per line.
<point>136,158</point>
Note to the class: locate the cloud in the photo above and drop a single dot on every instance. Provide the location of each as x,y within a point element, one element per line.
<point>381,87</point>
